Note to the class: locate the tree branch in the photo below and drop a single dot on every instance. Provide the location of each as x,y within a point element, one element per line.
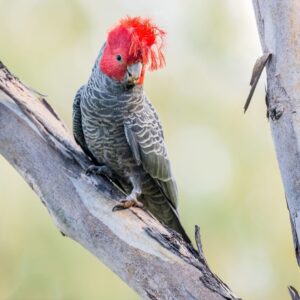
<point>279,30</point>
<point>155,262</point>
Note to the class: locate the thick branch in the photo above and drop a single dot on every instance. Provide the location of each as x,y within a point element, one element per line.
<point>279,29</point>
<point>155,262</point>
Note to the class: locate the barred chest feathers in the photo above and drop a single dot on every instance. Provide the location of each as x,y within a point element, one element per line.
<point>103,127</point>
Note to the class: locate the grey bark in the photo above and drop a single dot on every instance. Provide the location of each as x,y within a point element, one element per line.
<point>293,293</point>
<point>155,262</point>
<point>279,30</point>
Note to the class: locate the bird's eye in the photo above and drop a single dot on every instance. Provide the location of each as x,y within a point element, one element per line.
<point>119,57</point>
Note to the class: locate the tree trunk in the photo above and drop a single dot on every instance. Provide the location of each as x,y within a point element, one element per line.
<point>155,262</point>
<point>279,30</point>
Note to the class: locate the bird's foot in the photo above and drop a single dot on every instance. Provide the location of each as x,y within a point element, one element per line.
<point>127,203</point>
<point>99,170</point>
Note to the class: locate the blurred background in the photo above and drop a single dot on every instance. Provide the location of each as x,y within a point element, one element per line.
<point>223,160</point>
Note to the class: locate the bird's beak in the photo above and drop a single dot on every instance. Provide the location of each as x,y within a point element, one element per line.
<point>133,73</point>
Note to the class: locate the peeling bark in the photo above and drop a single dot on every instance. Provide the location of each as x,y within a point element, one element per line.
<point>151,259</point>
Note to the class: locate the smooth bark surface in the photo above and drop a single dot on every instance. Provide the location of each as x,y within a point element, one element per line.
<point>279,30</point>
<point>155,262</point>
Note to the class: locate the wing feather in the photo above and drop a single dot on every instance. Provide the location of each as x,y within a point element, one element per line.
<point>145,137</point>
<point>77,125</point>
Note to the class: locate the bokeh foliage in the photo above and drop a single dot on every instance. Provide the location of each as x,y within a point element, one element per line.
<point>223,160</point>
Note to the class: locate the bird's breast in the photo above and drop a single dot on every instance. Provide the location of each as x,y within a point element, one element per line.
<point>105,137</point>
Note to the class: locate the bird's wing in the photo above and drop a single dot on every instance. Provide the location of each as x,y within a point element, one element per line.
<point>145,137</point>
<point>77,124</point>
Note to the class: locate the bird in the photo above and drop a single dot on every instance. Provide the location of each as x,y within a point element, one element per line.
<point>117,126</point>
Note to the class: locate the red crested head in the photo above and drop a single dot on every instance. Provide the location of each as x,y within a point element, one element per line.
<point>132,46</point>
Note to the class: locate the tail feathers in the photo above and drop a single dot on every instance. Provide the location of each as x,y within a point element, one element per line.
<point>177,226</point>
<point>162,209</point>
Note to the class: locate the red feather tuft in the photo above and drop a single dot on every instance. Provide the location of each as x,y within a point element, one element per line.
<point>146,40</point>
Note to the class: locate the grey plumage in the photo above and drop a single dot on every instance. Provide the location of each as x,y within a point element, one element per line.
<point>119,128</point>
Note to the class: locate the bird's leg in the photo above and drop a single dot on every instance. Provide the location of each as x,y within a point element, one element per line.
<point>100,170</point>
<point>131,199</point>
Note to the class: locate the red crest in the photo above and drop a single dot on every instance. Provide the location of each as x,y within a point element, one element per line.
<point>146,40</point>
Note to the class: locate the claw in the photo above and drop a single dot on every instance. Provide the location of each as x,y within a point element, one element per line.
<point>127,204</point>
